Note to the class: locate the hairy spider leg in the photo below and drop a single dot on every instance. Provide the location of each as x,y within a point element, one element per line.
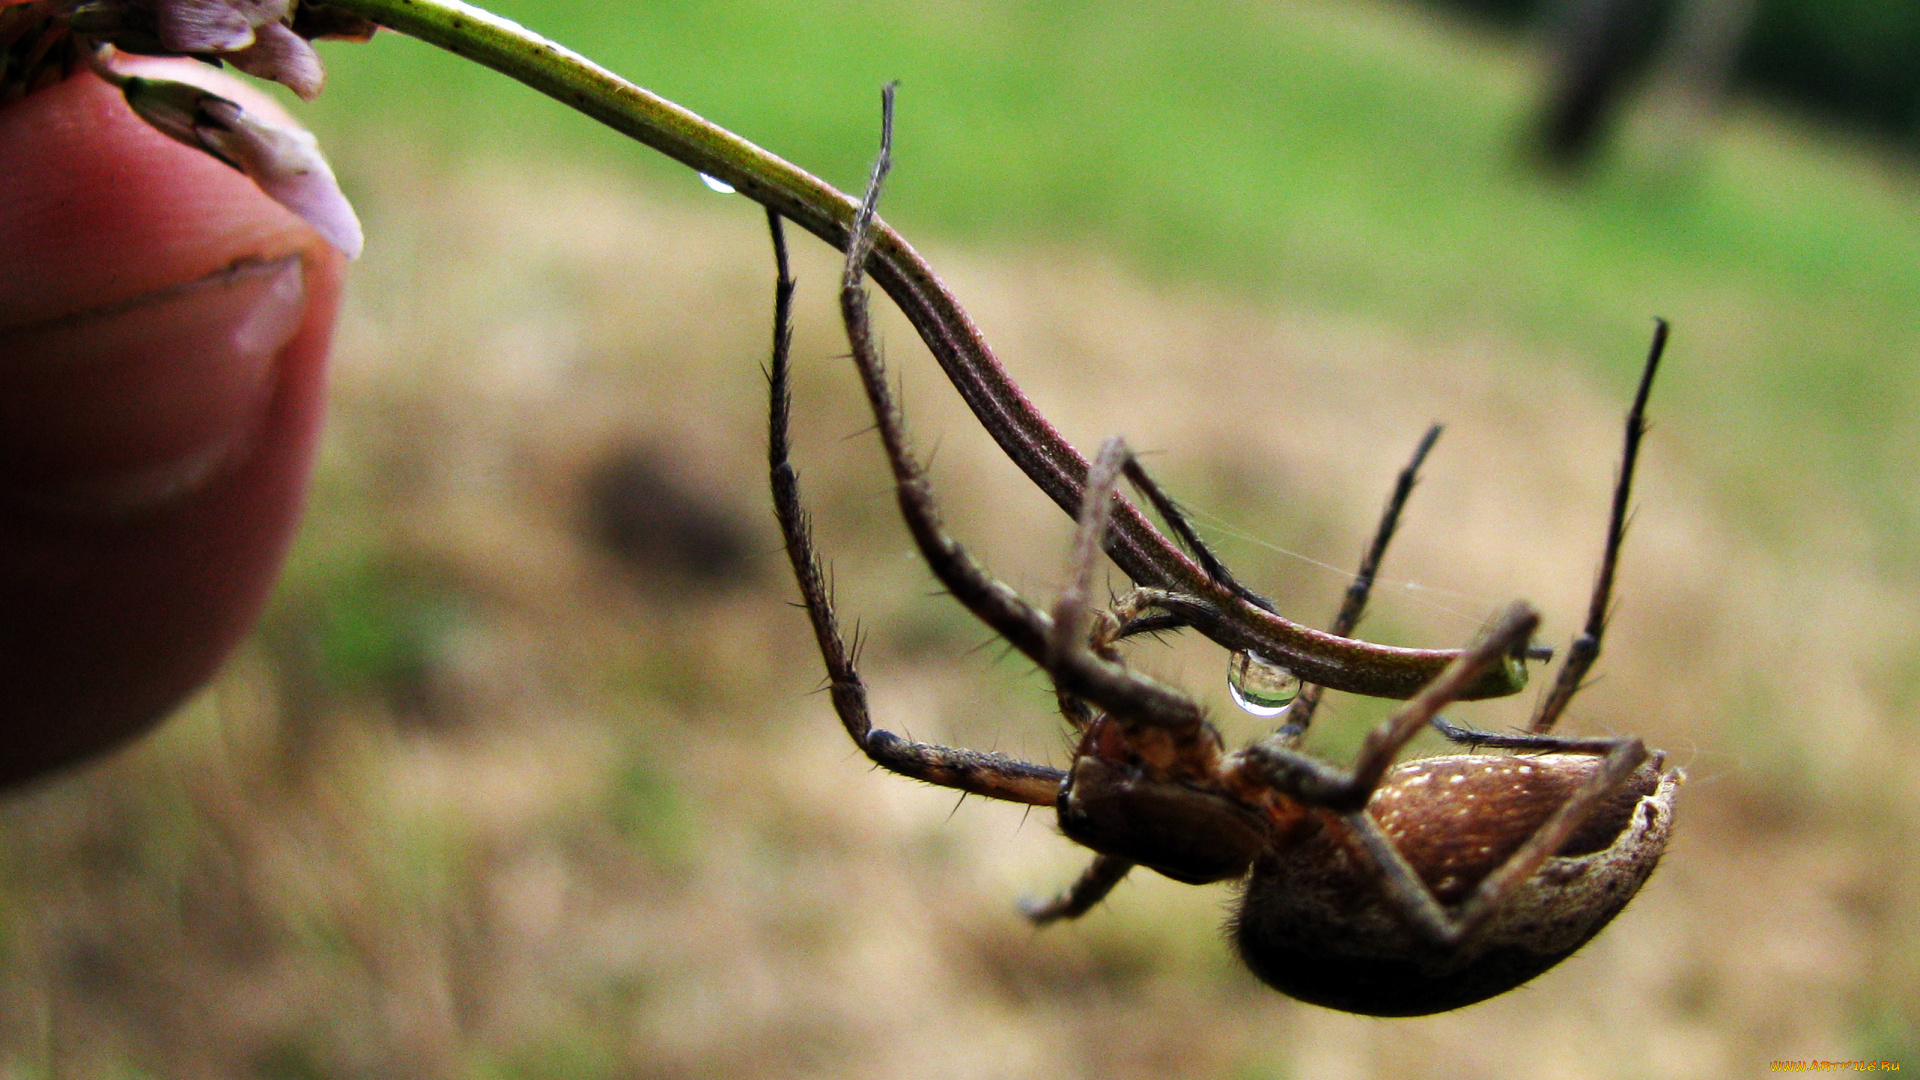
<point>1176,518</point>
<point>1315,783</point>
<point>1620,757</point>
<point>993,775</point>
<point>993,602</point>
<point>1354,604</point>
<point>1127,696</point>
<point>1586,648</point>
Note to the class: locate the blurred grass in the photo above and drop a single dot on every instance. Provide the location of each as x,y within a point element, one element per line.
<point>1357,156</point>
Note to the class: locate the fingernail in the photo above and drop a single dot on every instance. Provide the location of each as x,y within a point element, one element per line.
<point>135,406</point>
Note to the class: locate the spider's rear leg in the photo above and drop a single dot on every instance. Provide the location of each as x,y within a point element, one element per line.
<point>1399,882</point>
<point>1316,784</point>
<point>993,775</point>
<point>1586,648</point>
<point>1354,603</point>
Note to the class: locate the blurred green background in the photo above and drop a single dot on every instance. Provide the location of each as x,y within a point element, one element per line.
<point>522,775</point>
<point>1358,158</point>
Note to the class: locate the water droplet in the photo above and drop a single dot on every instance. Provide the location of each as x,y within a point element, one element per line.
<point>1260,686</point>
<point>716,184</point>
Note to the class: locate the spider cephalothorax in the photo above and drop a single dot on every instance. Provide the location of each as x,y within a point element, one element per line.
<point>1386,889</point>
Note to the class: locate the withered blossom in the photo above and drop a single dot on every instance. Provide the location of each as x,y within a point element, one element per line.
<point>265,38</point>
<point>285,162</point>
<point>36,49</point>
<point>42,41</point>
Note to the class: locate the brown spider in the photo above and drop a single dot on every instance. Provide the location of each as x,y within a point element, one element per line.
<point>1392,890</point>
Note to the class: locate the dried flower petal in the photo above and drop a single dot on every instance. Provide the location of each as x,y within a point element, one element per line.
<point>36,49</point>
<point>171,107</point>
<point>284,162</point>
<point>265,38</point>
<point>287,164</point>
<point>202,26</point>
<point>285,57</point>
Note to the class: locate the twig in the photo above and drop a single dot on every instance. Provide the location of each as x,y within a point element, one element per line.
<point>1134,544</point>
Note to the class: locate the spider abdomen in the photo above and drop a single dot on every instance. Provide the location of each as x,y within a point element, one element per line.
<point>1314,922</point>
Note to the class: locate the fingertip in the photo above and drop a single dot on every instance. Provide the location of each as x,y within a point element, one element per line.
<point>100,207</point>
<point>197,315</point>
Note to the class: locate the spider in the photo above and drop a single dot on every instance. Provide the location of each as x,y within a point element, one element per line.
<point>1384,889</point>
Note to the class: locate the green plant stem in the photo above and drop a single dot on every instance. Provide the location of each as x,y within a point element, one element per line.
<point>1140,550</point>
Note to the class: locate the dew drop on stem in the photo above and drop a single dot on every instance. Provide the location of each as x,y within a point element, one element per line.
<point>1260,686</point>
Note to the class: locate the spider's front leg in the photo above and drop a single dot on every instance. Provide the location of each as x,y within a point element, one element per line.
<point>993,775</point>
<point>1134,726</point>
<point>1142,788</point>
<point>1180,808</point>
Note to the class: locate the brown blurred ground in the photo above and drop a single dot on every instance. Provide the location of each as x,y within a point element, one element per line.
<point>486,799</point>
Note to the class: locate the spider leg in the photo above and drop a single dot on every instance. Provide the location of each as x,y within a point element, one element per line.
<point>993,775</point>
<point>1358,592</point>
<point>1093,885</point>
<point>1318,784</point>
<point>1279,767</point>
<point>1586,648</point>
<point>1183,530</point>
<point>994,603</point>
<point>1129,697</point>
<point>1300,715</point>
<point>1132,699</point>
<point>1524,741</point>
